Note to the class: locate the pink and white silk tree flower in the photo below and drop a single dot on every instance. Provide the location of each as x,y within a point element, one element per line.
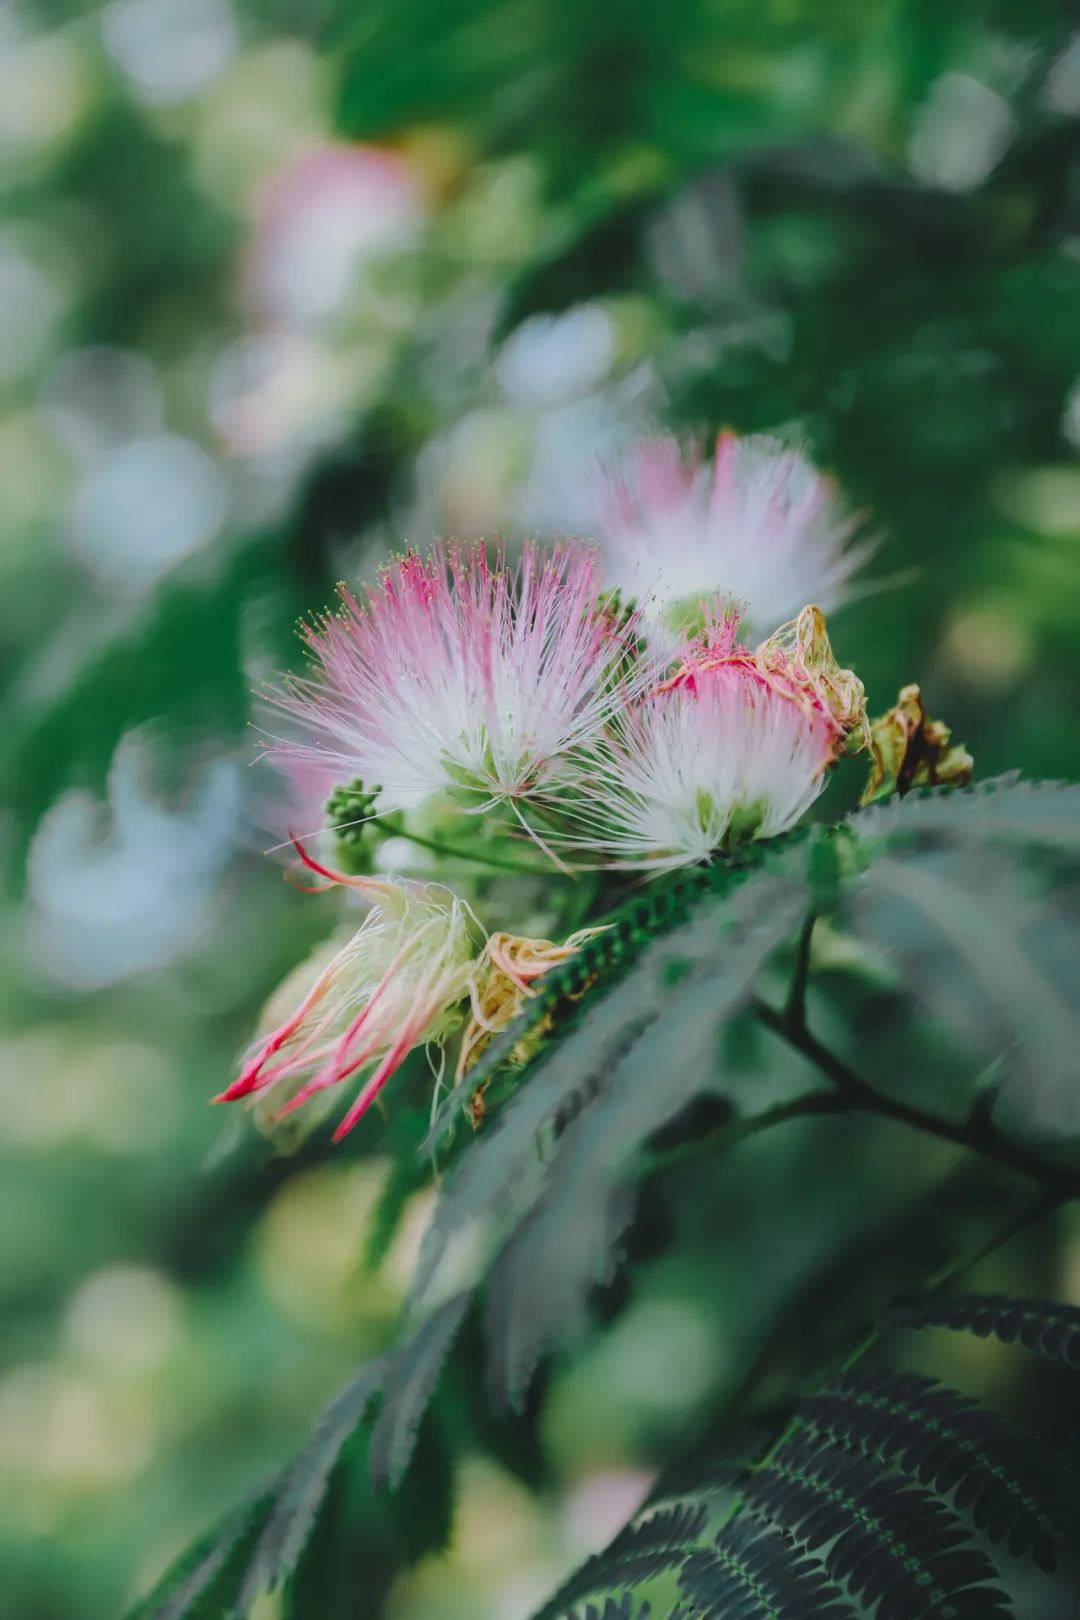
<point>459,674</point>
<point>399,982</point>
<point>735,745</point>
<point>756,525</point>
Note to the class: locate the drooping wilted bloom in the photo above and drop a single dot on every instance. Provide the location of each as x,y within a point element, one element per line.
<point>756,525</point>
<point>734,745</point>
<point>910,750</point>
<point>396,984</point>
<point>458,674</point>
<point>506,976</point>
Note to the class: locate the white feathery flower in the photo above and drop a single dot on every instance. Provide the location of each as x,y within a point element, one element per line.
<point>756,526</point>
<point>457,674</point>
<point>735,745</point>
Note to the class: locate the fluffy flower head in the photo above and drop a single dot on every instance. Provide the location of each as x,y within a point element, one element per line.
<point>397,983</point>
<point>734,745</point>
<point>458,674</point>
<point>756,525</point>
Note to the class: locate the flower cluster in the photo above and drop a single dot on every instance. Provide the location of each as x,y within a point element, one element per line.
<point>601,701</point>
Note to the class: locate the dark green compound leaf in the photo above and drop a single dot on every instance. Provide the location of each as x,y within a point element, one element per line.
<point>600,961</point>
<point>504,1162</point>
<point>623,1608</point>
<point>502,1168</point>
<point>410,1384</point>
<point>566,1243</point>
<point>900,1551</point>
<point>1003,810</point>
<point>298,1498</point>
<point>541,1281</point>
<point>598,965</point>
<point>199,1585</point>
<point>642,1549</point>
<point>1043,1327</point>
<point>755,1573</point>
<point>1017,1490</point>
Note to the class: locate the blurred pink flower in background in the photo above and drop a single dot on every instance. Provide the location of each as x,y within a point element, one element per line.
<point>320,222</point>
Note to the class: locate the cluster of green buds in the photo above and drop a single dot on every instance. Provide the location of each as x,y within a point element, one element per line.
<point>357,828</point>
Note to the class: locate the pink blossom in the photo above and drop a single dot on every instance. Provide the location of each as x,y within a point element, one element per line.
<point>394,985</point>
<point>321,219</point>
<point>757,526</point>
<point>734,745</point>
<point>455,674</point>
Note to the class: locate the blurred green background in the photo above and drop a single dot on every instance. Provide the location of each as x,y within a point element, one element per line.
<point>283,284</point>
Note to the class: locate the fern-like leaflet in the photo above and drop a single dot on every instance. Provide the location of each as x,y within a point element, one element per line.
<point>755,1574</point>
<point>644,1548</point>
<point>1041,1327</point>
<point>900,1550</point>
<point>1017,1491</point>
<point>1002,810</point>
<point>872,1501</point>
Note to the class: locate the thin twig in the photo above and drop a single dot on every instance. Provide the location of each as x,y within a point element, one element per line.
<point>977,1132</point>
<point>804,1106</point>
<point>1034,1212</point>
<point>795,1008</point>
<point>1045,1204</point>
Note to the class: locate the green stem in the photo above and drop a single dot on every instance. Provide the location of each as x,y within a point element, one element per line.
<point>1044,1205</point>
<point>455,853</point>
<point>795,1007</point>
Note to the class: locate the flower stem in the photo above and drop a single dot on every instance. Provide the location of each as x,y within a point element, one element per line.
<point>454,852</point>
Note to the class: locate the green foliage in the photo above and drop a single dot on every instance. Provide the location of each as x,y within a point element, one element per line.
<point>199,1586</point>
<point>277,1539</point>
<point>1015,1489</point>
<point>564,1245</point>
<point>750,1572</point>
<point>734,190</point>
<point>300,1493</point>
<point>1044,815</point>
<point>893,1547</point>
<point>645,1548</point>
<point>877,1489</point>
<point>1046,1329</point>
<point>410,1385</point>
<point>604,958</point>
<point>871,1499</point>
<point>616,1609</point>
